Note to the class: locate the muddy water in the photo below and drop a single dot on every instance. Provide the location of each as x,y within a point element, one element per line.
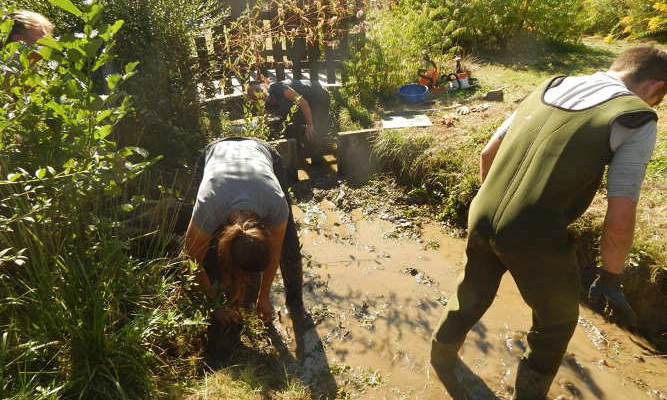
<point>376,293</point>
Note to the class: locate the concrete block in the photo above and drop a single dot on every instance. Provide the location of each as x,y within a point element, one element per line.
<point>495,95</point>
<point>287,150</point>
<point>354,153</point>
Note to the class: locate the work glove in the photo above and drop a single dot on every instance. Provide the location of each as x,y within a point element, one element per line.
<point>608,284</point>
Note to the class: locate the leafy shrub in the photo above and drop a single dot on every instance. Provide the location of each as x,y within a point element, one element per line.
<point>626,19</point>
<point>396,41</point>
<point>159,34</point>
<point>166,116</point>
<point>80,317</point>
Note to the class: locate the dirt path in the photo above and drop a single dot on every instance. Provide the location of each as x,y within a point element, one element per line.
<point>376,282</point>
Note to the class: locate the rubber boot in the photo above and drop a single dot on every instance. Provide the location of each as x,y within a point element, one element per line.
<point>444,355</point>
<point>530,384</point>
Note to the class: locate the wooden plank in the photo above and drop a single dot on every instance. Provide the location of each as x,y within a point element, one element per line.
<point>330,63</point>
<point>298,51</point>
<point>313,58</point>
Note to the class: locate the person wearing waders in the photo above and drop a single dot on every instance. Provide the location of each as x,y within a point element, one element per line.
<point>305,105</point>
<point>241,231</point>
<point>540,171</point>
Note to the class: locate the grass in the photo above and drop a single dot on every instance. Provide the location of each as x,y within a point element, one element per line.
<point>439,164</point>
<point>246,382</point>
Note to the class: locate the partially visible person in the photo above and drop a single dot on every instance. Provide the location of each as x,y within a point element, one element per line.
<point>242,229</point>
<point>309,124</point>
<point>29,27</point>
<point>540,172</point>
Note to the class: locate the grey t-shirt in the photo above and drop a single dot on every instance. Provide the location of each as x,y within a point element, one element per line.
<point>238,175</point>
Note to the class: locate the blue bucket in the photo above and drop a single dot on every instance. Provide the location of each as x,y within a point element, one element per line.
<point>413,93</point>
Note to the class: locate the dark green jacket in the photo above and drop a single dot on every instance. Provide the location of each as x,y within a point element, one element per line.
<point>547,170</point>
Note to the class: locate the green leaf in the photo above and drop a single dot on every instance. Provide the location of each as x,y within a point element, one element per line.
<point>112,29</point>
<point>131,66</point>
<point>102,60</point>
<point>112,80</point>
<point>127,207</point>
<point>67,6</point>
<point>94,14</point>
<point>102,131</point>
<point>92,46</point>
<point>103,115</point>
<point>40,173</point>
<point>13,177</point>
<point>49,41</point>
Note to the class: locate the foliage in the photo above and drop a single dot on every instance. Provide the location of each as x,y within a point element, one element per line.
<point>396,42</point>
<point>158,34</point>
<point>166,118</point>
<point>80,317</point>
<point>627,18</point>
<point>399,35</point>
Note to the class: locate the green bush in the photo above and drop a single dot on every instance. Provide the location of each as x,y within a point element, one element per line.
<point>399,35</point>
<point>159,35</point>
<point>80,317</point>
<point>394,47</point>
<point>626,18</point>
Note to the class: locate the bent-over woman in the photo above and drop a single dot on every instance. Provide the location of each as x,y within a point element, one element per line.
<point>242,225</point>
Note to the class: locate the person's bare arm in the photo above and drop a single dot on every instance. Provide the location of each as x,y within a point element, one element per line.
<point>196,246</point>
<point>618,231</point>
<point>264,306</point>
<point>487,156</point>
<point>293,96</point>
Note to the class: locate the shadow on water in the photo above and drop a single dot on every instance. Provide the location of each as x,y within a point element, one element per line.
<point>571,363</point>
<point>463,384</point>
<point>315,370</point>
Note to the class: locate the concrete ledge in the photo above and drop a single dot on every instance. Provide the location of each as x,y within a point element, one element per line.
<point>354,153</point>
<point>287,150</point>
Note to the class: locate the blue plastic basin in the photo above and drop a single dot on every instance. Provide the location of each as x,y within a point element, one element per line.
<point>413,92</point>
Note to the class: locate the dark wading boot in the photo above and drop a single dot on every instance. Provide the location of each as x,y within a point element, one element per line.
<point>530,384</point>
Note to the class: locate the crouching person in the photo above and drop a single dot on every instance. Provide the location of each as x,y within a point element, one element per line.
<point>242,230</point>
<point>308,122</point>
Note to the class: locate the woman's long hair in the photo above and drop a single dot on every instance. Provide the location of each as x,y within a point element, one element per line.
<point>244,246</point>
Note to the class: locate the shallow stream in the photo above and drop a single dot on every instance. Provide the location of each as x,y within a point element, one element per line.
<point>376,279</point>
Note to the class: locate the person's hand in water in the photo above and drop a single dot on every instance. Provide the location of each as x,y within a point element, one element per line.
<point>608,285</point>
<point>265,308</point>
<point>228,316</point>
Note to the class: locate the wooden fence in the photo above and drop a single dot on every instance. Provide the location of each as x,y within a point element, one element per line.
<point>284,53</point>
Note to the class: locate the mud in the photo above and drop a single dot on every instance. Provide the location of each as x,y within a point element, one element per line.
<point>377,274</point>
